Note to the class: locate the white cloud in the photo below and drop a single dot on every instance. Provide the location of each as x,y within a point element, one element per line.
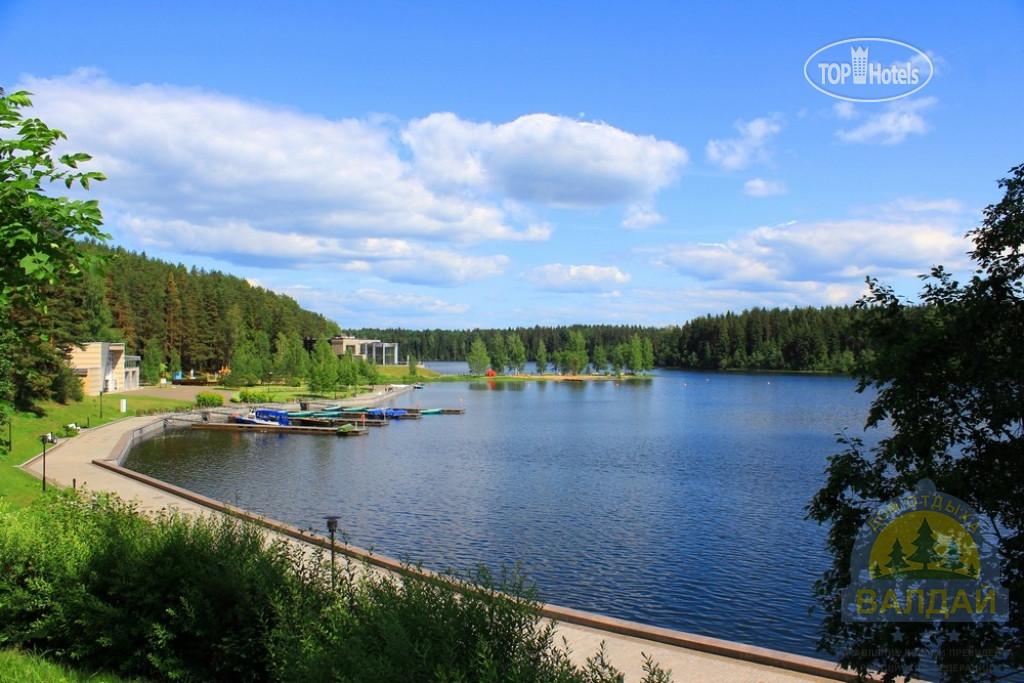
<point>251,183</point>
<point>892,125</point>
<point>737,153</point>
<point>378,300</point>
<point>759,187</point>
<point>566,278</point>
<point>544,159</point>
<point>927,205</point>
<point>639,217</point>
<point>845,110</point>
<point>815,255</point>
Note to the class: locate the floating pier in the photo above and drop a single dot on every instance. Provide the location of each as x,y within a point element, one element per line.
<point>436,411</point>
<point>282,429</point>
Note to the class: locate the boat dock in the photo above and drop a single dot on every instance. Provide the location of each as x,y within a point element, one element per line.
<point>280,429</point>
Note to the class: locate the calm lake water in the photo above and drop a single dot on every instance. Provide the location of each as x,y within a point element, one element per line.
<point>677,501</point>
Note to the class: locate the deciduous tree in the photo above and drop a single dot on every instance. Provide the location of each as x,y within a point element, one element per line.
<point>949,376</point>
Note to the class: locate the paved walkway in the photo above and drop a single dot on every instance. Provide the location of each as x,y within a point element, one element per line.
<point>89,460</point>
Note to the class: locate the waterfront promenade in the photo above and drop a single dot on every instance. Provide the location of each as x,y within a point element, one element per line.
<point>89,460</point>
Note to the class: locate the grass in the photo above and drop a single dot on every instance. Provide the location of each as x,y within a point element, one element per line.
<point>29,668</point>
<point>21,440</point>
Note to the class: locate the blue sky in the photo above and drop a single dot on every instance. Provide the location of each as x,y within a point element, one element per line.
<point>465,164</point>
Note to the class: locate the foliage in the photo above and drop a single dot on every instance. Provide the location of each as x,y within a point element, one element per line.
<point>40,255</point>
<point>950,380</point>
<point>798,339</point>
<point>29,668</point>
<point>573,358</point>
<point>253,396</point>
<point>203,315</point>
<point>323,368</point>
<point>541,357</point>
<point>39,234</point>
<point>209,399</point>
<point>149,366</point>
<point>516,353</point>
<point>89,579</point>
<point>478,358</point>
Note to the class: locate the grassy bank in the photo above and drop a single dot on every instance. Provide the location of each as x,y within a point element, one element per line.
<point>29,668</point>
<point>171,597</point>
<point>21,440</point>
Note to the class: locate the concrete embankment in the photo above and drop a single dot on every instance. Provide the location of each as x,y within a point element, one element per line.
<point>90,460</point>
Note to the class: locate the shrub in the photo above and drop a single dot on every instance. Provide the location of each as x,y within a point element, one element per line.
<point>92,581</point>
<point>255,396</point>
<point>209,399</point>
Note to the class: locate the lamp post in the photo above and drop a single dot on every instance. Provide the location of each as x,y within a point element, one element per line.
<point>46,438</point>
<point>332,528</point>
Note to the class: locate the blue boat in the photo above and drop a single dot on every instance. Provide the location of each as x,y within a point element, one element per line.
<point>263,416</point>
<point>386,412</point>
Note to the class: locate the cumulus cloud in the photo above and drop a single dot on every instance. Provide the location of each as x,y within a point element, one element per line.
<point>750,147</point>
<point>759,187</point>
<point>249,182</point>
<point>892,125</point>
<point>639,217</point>
<point>817,254</point>
<point>566,278</point>
<point>544,159</point>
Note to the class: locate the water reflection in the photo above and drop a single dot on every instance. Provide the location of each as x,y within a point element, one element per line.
<point>677,502</point>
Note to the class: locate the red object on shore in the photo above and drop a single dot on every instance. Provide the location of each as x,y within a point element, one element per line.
<point>491,373</point>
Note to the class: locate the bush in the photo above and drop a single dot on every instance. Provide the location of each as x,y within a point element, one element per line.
<point>94,582</point>
<point>209,399</point>
<point>255,396</point>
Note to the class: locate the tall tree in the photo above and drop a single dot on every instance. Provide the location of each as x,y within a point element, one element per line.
<point>173,318</point>
<point>949,376</point>
<point>516,353</point>
<point>478,359</point>
<point>541,357</point>
<point>152,359</point>
<point>498,352</point>
<point>40,243</point>
<point>323,373</point>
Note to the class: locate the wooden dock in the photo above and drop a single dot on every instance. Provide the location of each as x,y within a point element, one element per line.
<point>279,429</point>
<point>337,421</point>
<point>435,411</point>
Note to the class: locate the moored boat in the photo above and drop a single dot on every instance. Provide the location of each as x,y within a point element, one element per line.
<point>262,416</point>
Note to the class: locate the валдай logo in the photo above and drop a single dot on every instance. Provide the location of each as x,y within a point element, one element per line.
<point>868,69</point>
<point>924,557</point>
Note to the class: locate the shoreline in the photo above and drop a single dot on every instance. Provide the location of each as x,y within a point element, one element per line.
<point>90,460</point>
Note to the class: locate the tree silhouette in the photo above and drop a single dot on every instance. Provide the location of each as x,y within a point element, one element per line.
<point>925,544</point>
<point>951,558</point>
<point>896,561</point>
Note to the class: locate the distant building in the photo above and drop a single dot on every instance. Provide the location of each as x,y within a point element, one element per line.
<point>104,367</point>
<point>375,350</point>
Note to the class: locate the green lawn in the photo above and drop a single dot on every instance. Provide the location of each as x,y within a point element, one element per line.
<point>28,668</point>
<point>21,440</point>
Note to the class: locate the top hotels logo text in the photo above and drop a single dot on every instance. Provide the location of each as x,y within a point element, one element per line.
<point>868,69</point>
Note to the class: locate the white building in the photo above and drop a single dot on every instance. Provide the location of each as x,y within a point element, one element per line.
<point>375,350</point>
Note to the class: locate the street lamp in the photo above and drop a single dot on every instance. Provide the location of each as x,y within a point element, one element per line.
<point>332,528</point>
<point>46,438</point>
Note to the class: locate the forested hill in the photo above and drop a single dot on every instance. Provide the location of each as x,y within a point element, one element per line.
<point>200,315</point>
<point>197,319</point>
<point>798,339</point>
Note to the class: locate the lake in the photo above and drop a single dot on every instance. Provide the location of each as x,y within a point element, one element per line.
<point>676,501</point>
